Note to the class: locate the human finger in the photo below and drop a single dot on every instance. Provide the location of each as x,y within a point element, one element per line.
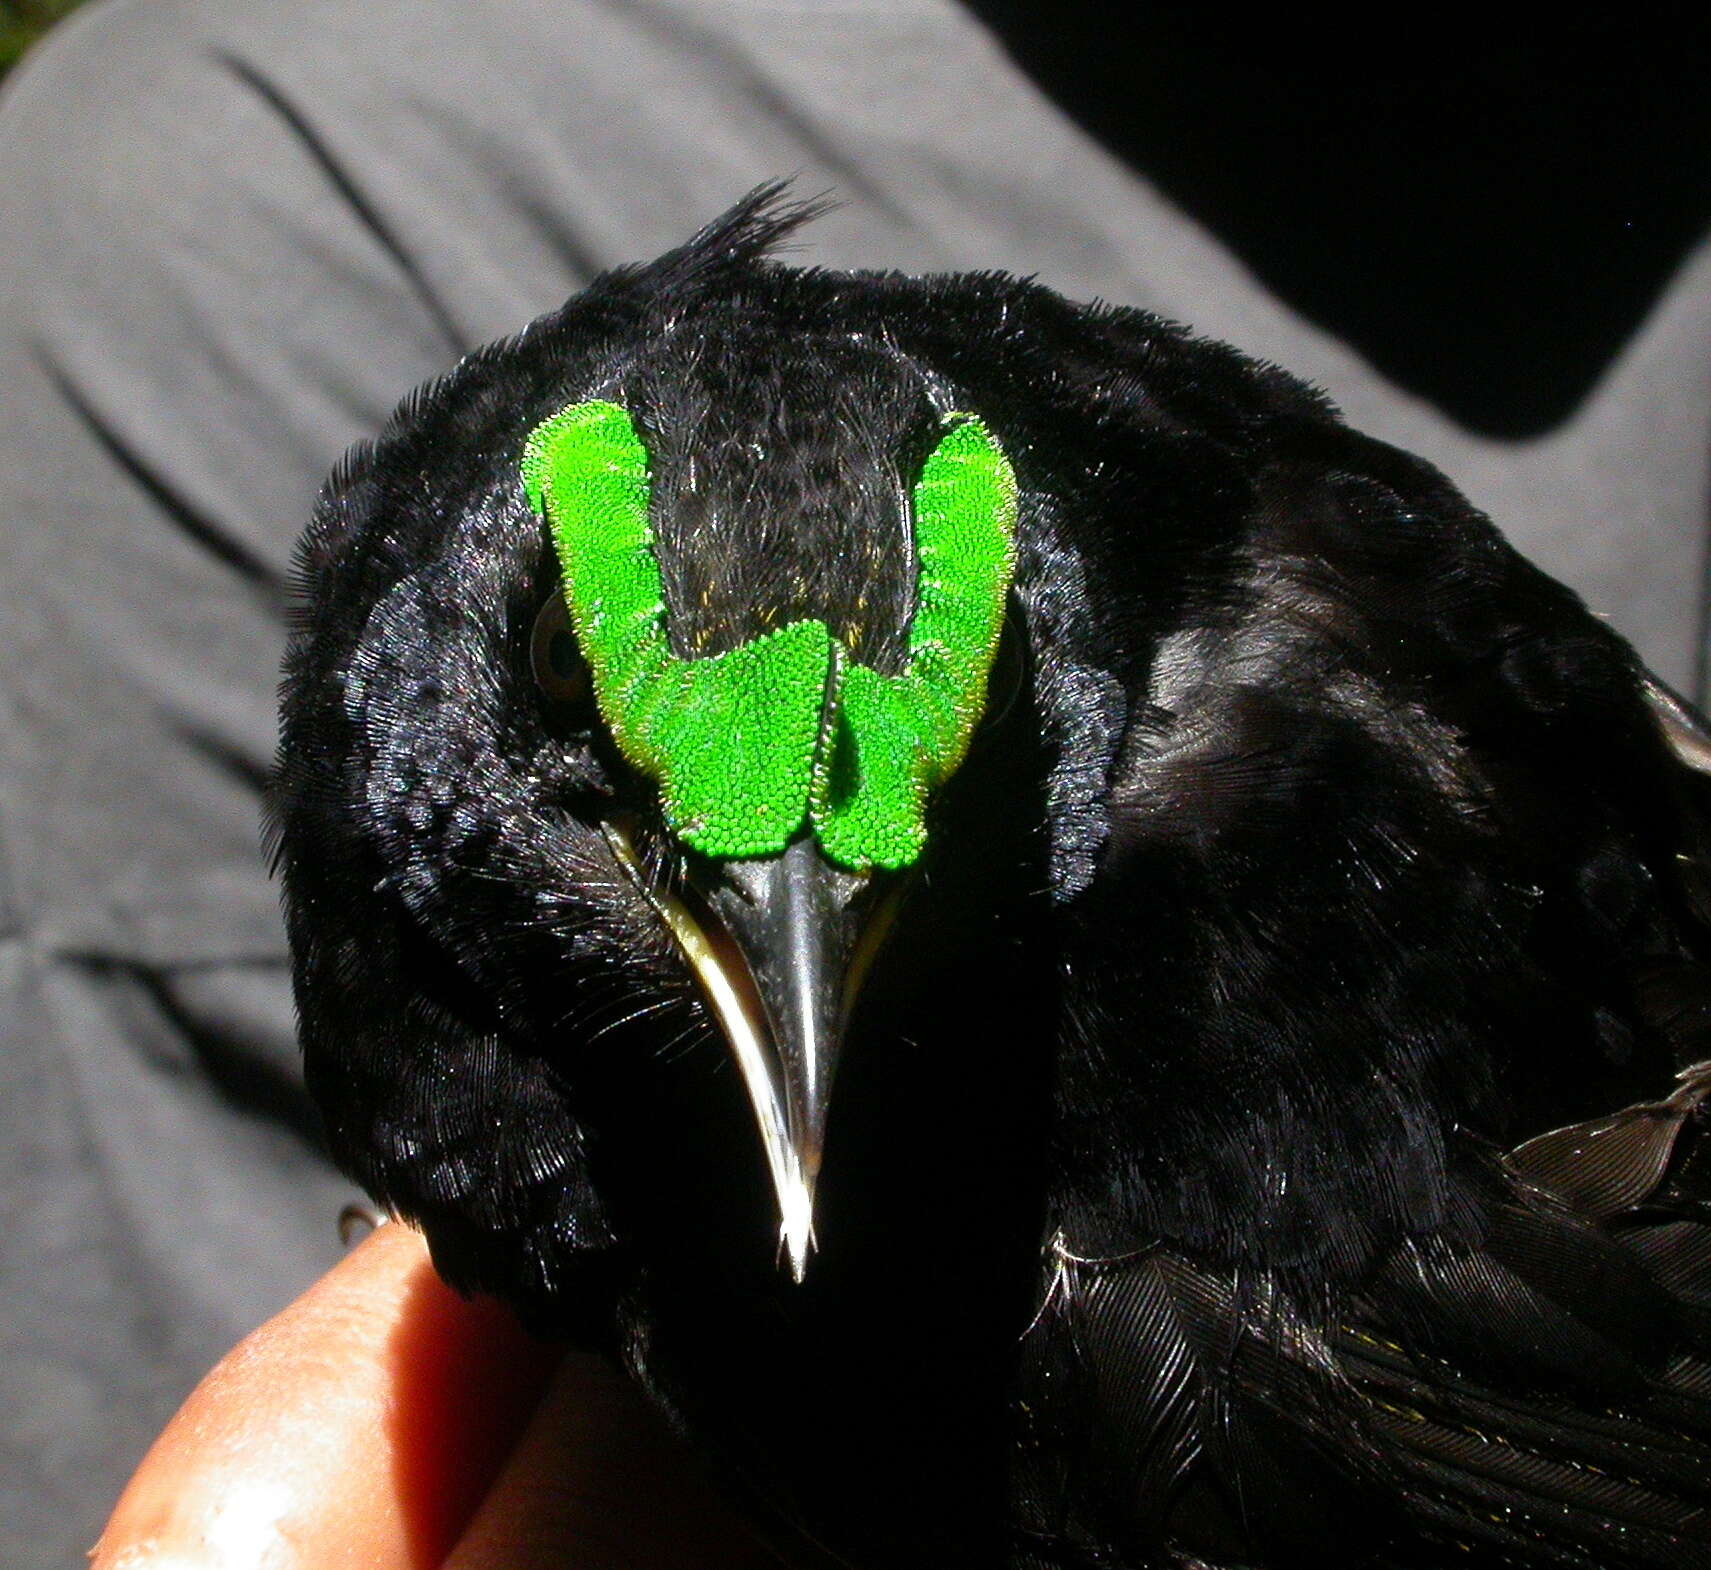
<point>359,1427</point>
<point>598,1483</point>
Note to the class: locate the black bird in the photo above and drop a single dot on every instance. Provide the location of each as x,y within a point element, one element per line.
<point>1073,963</point>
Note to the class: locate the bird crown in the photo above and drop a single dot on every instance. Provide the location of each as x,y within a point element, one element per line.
<point>748,744</point>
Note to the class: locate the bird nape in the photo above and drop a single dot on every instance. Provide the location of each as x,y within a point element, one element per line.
<point>1073,963</point>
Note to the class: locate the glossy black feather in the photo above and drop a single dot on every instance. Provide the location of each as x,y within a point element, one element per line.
<point>1259,1144</point>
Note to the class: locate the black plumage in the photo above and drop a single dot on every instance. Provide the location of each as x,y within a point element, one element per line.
<point>1259,1141</point>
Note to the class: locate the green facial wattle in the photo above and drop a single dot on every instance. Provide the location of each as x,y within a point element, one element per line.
<point>747,745</point>
<point>731,739</point>
<point>895,738</point>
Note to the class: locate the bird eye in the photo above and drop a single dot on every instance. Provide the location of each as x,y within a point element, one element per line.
<point>560,671</point>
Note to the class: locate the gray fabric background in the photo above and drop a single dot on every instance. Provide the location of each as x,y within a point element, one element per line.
<point>232,234</point>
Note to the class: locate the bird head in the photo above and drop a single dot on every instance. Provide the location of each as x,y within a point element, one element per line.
<point>793,763</point>
<point>636,660</point>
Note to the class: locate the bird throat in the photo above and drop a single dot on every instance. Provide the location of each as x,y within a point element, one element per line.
<point>748,744</point>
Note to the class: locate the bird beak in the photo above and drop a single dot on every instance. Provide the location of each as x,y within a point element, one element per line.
<point>781,945</point>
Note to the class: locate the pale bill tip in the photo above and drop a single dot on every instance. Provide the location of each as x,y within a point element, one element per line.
<point>796,1223</point>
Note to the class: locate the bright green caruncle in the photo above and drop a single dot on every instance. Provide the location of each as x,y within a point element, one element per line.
<point>748,744</point>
